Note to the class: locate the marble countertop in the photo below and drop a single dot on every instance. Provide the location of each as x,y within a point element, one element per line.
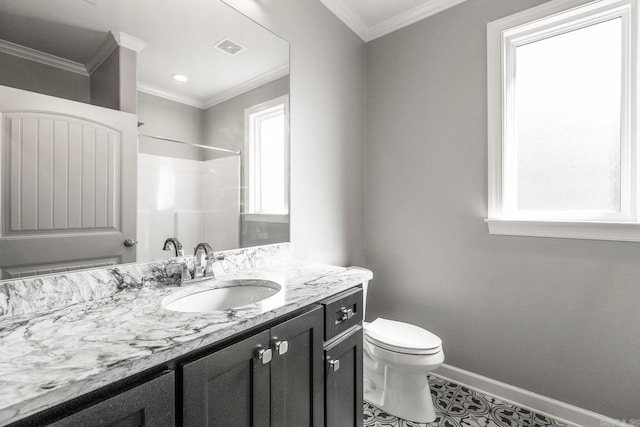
<point>49,357</point>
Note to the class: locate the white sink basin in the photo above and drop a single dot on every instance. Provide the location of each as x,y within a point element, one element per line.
<point>227,294</point>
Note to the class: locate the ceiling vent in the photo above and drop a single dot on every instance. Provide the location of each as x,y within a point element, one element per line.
<point>229,47</point>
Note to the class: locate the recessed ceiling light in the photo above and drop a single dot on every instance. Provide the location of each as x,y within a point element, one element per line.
<point>180,77</point>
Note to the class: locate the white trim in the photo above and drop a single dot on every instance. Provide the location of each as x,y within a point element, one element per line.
<point>129,42</point>
<point>553,408</point>
<point>42,57</point>
<point>415,14</point>
<point>264,217</point>
<point>586,230</point>
<point>101,54</point>
<point>109,44</point>
<point>354,21</point>
<point>255,82</point>
<point>349,17</point>
<point>170,95</point>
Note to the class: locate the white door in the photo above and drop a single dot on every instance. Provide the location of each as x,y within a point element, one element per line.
<point>67,183</point>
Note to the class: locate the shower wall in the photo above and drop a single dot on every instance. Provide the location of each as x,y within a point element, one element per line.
<point>195,201</point>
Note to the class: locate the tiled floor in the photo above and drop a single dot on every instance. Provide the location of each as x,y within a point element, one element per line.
<point>459,406</point>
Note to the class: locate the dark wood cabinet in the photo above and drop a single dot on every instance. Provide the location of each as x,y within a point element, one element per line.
<point>274,378</point>
<point>151,404</point>
<point>343,380</point>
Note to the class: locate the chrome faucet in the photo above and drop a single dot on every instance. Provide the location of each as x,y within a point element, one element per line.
<point>203,250</point>
<point>173,242</point>
<point>204,258</point>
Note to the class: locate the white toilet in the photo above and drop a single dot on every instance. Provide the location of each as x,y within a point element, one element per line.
<point>397,358</point>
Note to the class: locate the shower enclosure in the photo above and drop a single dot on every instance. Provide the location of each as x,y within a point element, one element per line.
<point>193,196</point>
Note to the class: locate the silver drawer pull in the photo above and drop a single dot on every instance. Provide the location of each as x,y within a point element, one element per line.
<point>334,365</point>
<point>281,347</point>
<point>345,314</point>
<point>265,355</point>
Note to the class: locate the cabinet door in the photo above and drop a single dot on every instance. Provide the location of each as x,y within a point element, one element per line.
<point>228,388</point>
<point>343,388</point>
<point>150,405</point>
<point>297,371</point>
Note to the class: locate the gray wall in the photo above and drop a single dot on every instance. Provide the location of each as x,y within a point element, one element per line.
<point>169,119</point>
<point>555,316</point>
<point>113,83</point>
<point>36,77</point>
<point>327,127</point>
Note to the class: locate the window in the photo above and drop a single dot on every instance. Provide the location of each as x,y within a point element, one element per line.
<point>562,142</point>
<point>267,160</point>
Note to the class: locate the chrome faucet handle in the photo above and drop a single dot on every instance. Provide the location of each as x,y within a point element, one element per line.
<point>185,274</point>
<point>173,242</point>
<point>177,273</point>
<point>206,250</point>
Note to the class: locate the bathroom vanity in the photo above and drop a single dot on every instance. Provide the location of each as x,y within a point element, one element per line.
<point>110,353</point>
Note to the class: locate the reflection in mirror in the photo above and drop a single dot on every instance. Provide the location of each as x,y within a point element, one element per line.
<point>212,162</point>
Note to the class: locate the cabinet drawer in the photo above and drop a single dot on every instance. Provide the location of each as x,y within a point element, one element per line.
<point>341,312</point>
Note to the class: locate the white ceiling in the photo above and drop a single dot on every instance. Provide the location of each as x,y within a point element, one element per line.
<point>371,19</point>
<point>179,38</point>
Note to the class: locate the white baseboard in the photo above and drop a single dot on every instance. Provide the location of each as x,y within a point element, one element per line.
<point>564,412</point>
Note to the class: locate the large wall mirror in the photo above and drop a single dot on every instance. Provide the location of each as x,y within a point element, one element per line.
<point>208,90</point>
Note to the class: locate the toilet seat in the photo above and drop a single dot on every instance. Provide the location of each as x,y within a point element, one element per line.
<point>400,337</point>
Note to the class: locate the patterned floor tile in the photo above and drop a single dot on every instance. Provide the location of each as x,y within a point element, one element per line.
<point>460,406</point>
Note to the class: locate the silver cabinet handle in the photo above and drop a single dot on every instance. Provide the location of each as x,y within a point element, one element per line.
<point>265,355</point>
<point>281,347</point>
<point>345,314</point>
<point>334,365</point>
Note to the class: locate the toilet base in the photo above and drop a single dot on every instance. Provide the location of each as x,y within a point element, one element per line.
<point>404,394</point>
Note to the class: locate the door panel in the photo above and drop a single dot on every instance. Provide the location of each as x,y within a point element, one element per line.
<point>344,381</point>
<point>228,388</point>
<point>68,182</point>
<point>297,377</point>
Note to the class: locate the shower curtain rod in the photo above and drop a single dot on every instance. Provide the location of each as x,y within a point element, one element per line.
<point>161,138</point>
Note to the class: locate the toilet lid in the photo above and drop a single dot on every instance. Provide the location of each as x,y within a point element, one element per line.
<point>402,337</point>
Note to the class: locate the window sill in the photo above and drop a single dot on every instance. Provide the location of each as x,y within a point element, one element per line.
<point>616,231</point>
<point>260,217</point>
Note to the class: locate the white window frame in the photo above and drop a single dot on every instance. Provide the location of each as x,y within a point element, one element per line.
<point>503,37</point>
<point>251,213</point>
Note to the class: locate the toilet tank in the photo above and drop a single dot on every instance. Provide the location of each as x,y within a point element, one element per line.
<point>365,287</point>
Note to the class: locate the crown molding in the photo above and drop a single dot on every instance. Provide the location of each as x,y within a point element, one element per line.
<point>125,40</point>
<point>368,33</point>
<point>101,54</point>
<point>415,14</point>
<point>109,44</point>
<point>349,16</point>
<point>42,57</point>
<point>170,95</point>
<point>256,82</point>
